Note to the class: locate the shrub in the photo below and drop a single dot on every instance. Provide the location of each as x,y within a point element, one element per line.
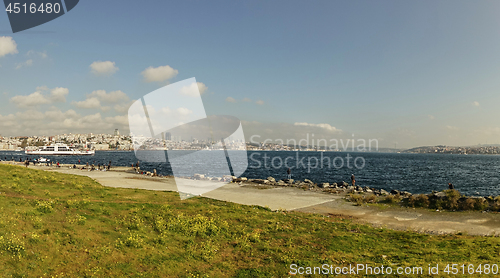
<point>496,204</point>
<point>392,199</point>
<point>357,199</point>
<point>452,197</point>
<point>420,200</point>
<point>467,204</point>
<point>480,204</point>
<point>370,198</point>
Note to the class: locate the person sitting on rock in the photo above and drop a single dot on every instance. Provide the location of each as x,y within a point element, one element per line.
<point>353,180</point>
<point>450,186</point>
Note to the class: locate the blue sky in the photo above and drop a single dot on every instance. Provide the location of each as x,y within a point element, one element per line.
<point>412,73</point>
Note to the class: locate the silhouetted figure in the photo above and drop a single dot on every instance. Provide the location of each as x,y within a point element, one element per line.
<point>109,165</point>
<point>27,163</point>
<point>353,180</point>
<point>289,173</point>
<point>450,186</point>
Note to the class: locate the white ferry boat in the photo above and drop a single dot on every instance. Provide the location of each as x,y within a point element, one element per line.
<point>58,149</point>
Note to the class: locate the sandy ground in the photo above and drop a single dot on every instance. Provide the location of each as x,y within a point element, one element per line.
<point>294,199</point>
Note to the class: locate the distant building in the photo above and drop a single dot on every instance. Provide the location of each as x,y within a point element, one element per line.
<point>117,133</point>
<point>101,147</point>
<point>168,136</point>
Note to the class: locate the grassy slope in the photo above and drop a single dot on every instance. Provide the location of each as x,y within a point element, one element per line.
<point>70,226</point>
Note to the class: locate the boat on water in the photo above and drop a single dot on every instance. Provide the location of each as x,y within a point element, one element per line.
<point>43,160</point>
<point>58,149</point>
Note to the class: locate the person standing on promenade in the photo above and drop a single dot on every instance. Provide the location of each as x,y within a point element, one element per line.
<point>109,165</point>
<point>289,173</point>
<point>26,163</point>
<point>353,180</point>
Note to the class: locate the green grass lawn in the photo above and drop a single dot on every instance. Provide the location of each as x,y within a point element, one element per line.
<point>58,225</point>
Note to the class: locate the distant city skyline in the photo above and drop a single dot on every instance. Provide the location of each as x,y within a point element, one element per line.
<point>407,74</point>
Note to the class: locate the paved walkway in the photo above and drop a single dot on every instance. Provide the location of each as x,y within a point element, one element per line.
<point>474,223</point>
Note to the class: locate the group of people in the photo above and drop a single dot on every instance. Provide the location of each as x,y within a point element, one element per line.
<point>92,167</point>
<point>35,161</point>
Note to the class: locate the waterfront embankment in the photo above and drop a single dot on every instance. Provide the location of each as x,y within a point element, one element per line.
<point>299,199</point>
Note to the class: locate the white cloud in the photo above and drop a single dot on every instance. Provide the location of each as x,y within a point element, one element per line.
<point>120,120</point>
<point>30,115</point>
<point>247,100</point>
<point>28,63</point>
<point>8,121</point>
<point>202,87</point>
<point>7,46</point>
<point>159,74</point>
<point>103,68</point>
<point>32,53</point>
<point>55,114</point>
<point>39,97</point>
<point>89,103</point>
<point>452,128</point>
<point>191,90</point>
<point>59,94</point>
<point>111,97</point>
<point>475,103</point>
<point>94,100</point>
<point>230,99</point>
<point>122,108</point>
<point>54,121</point>
<point>260,102</point>
<point>183,111</point>
<point>322,126</point>
<point>431,117</point>
<point>34,99</point>
<point>489,131</point>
